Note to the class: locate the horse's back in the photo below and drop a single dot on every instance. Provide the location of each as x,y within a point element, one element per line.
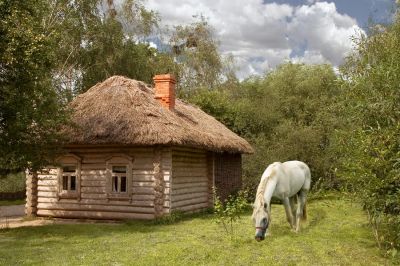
<point>294,176</point>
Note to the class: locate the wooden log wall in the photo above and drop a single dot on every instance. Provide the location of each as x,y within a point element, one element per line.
<point>94,202</point>
<point>190,180</point>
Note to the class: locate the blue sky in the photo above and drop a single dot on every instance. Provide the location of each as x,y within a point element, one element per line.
<point>262,34</point>
<point>361,10</point>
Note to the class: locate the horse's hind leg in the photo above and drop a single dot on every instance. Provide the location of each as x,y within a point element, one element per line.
<point>289,213</point>
<point>301,202</point>
<point>293,205</point>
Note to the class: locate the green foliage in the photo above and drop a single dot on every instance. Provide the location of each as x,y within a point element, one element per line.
<point>31,112</point>
<point>286,115</point>
<point>227,213</point>
<point>99,39</point>
<point>52,50</point>
<point>370,144</point>
<point>12,182</point>
<point>195,50</point>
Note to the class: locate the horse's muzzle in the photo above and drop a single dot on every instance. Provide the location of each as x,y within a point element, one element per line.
<point>259,238</point>
<point>260,234</point>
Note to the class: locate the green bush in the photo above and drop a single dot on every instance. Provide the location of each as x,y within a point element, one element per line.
<point>12,183</point>
<point>227,213</point>
<point>370,144</point>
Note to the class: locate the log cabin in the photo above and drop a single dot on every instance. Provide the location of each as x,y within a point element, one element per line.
<point>137,152</point>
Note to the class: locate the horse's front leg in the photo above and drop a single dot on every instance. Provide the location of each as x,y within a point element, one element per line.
<point>289,213</point>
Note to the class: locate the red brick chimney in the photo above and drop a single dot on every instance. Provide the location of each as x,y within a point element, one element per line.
<point>165,90</point>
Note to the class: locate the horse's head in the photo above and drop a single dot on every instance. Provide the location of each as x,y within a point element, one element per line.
<point>261,220</point>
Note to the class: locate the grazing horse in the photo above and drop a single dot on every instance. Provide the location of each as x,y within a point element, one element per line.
<point>284,181</point>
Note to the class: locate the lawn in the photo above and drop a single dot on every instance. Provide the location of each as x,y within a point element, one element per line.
<point>336,233</point>
<point>12,202</point>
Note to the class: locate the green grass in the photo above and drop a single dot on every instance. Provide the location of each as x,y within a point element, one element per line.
<point>336,233</point>
<point>12,182</point>
<point>12,202</point>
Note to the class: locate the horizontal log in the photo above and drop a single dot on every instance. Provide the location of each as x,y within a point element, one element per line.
<point>188,202</point>
<point>48,171</point>
<point>93,166</point>
<point>142,190</point>
<point>47,194</point>
<point>47,188</point>
<point>47,177</point>
<point>143,184</point>
<point>139,203</point>
<point>190,169</point>
<point>181,180</point>
<point>93,196</point>
<point>93,183</point>
<point>143,172</point>
<point>143,178</point>
<point>179,173</point>
<point>136,197</point>
<point>93,172</point>
<point>189,185</point>
<point>189,190</point>
<point>146,166</point>
<point>194,207</point>
<point>52,182</point>
<point>94,215</point>
<point>93,190</point>
<point>177,166</point>
<point>52,200</point>
<point>143,160</point>
<point>93,178</point>
<point>91,160</point>
<point>96,207</point>
<point>177,198</point>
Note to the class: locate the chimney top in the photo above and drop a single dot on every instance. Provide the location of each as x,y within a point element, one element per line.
<point>165,90</point>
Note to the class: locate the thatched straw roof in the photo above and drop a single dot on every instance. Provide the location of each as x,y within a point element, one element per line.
<point>124,111</point>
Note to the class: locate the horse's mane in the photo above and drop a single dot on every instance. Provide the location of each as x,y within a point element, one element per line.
<point>260,201</point>
<point>260,192</point>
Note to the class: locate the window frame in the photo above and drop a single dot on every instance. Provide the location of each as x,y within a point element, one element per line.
<point>119,160</point>
<point>65,161</point>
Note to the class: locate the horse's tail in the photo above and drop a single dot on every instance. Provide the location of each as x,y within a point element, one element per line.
<point>304,217</point>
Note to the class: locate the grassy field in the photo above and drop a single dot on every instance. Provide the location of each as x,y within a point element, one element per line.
<point>336,233</point>
<point>12,202</point>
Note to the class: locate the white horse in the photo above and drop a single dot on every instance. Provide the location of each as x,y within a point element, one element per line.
<point>284,181</point>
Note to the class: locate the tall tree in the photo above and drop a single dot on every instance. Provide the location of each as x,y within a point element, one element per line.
<point>30,111</point>
<point>195,50</point>
<point>98,39</point>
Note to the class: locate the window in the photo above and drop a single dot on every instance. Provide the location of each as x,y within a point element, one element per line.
<point>69,178</point>
<point>118,179</point>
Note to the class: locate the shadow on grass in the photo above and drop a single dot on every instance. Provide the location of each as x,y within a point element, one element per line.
<point>318,214</point>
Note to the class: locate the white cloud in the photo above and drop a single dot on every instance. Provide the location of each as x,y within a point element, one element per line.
<point>261,36</point>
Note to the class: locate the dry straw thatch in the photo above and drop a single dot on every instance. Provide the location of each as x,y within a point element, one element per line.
<point>124,111</point>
